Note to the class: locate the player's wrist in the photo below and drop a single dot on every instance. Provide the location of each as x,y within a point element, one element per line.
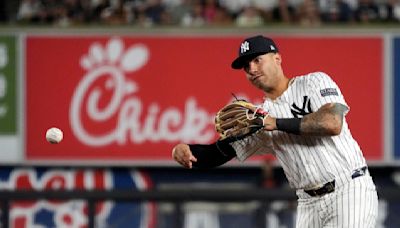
<point>269,123</point>
<point>289,125</point>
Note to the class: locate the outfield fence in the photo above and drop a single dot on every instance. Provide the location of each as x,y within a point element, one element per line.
<point>175,196</point>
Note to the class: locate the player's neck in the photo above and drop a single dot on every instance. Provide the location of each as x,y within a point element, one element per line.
<point>281,87</point>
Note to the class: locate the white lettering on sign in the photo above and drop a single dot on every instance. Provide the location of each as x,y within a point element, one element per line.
<point>134,123</point>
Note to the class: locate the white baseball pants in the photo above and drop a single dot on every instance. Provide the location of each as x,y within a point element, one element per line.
<point>353,204</point>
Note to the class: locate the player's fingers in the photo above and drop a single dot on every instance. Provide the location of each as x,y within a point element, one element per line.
<point>187,163</point>
<point>193,158</point>
<point>183,162</point>
<point>186,160</point>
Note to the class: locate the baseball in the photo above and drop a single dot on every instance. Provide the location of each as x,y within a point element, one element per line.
<point>54,135</point>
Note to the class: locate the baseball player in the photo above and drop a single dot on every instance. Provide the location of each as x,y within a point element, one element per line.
<point>307,131</point>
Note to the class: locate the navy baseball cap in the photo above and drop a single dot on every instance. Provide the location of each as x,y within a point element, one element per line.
<point>252,47</point>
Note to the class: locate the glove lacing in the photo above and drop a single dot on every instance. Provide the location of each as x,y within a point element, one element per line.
<point>252,116</point>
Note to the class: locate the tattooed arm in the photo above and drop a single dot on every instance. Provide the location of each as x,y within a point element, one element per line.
<point>327,121</point>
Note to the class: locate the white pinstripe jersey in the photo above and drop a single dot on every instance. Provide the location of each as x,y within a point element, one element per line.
<point>308,161</point>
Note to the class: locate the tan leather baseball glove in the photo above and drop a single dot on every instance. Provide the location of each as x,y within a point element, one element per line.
<point>239,119</point>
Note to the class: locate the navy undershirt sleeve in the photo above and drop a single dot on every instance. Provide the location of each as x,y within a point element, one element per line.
<point>213,155</point>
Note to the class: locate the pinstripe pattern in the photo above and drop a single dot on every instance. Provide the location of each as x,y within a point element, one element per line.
<point>309,161</point>
<point>354,205</point>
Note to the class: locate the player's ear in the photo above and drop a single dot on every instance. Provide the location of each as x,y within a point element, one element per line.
<point>278,58</point>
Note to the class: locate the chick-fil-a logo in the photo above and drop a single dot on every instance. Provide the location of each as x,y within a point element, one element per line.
<point>134,124</point>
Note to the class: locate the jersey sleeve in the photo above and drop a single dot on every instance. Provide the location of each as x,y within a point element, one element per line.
<point>256,144</point>
<point>324,90</point>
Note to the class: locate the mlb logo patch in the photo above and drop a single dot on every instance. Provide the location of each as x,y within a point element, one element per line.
<point>329,92</point>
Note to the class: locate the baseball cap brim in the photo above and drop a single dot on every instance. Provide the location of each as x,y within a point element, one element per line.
<point>241,61</point>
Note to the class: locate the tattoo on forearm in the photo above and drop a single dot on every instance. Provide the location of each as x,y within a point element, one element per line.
<point>326,121</point>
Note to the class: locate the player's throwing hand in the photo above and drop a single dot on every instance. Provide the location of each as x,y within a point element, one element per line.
<point>182,154</point>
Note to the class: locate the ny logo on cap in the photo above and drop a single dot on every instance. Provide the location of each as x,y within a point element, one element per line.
<point>244,47</point>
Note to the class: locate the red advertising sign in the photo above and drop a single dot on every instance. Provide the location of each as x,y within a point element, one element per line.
<point>134,97</point>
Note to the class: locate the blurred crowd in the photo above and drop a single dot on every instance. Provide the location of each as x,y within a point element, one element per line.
<point>197,13</point>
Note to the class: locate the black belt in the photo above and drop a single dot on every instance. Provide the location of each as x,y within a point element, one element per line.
<point>330,186</point>
<point>359,172</point>
<point>327,188</point>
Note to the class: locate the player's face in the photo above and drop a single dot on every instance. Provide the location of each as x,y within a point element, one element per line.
<point>263,71</point>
